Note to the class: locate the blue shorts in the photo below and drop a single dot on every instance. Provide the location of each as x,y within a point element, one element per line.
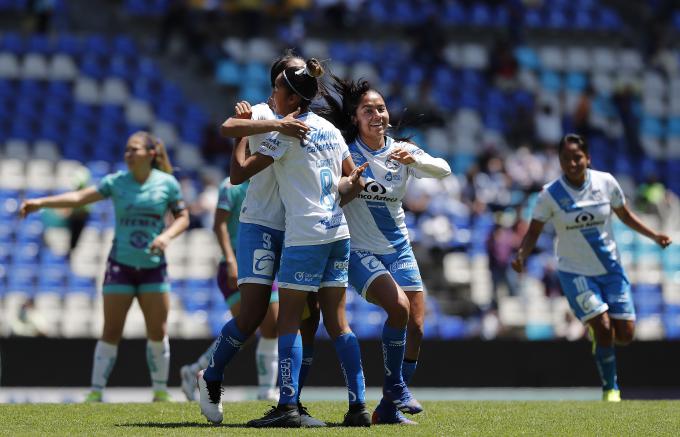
<point>309,268</point>
<point>365,266</point>
<point>258,254</point>
<point>590,296</point>
<point>233,296</point>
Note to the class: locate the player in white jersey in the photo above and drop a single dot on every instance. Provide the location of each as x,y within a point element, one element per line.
<point>315,256</point>
<point>580,206</point>
<point>260,242</point>
<point>382,266</point>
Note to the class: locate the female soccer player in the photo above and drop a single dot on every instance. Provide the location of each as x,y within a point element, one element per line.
<point>316,249</point>
<point>580,205</point>
<point>262,224</point>
<point>136,265</point>
<point>382,266</point>
<point>225,226</point>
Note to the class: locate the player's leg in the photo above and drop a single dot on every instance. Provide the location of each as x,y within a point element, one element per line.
<point>119,291</point>
<point>267,353</point>
<point>584,295</point>
<point>624,331</point>
<point>414,333</point>
<point>308,327</point>
<point>155,306</point>
<point>189,372</point>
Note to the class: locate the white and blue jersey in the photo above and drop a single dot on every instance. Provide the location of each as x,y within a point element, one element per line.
<point>262,205</point>
<point>589,265</point>
<point>376,217</point>
<point>316,247</point>
<point>379,237</point>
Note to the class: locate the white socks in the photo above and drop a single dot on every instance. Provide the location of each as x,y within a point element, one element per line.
<point>104,359</point>
<point>158,359</point>
<point>204,359</point>
<point>267,359</point>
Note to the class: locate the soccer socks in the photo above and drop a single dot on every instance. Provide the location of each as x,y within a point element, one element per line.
<point>204,360</point>
<point>605,359</point>
<point>267,359</point>
<point>347,348</point>
<point>393,347</point>
<point>307,360</point>
<point>104,359</point>
<point>408,368</point>
<point>158,359</point>
<point>227,345</point>
<point>290,360</point>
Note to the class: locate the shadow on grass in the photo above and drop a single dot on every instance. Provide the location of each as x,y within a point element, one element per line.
<point>198,425</point>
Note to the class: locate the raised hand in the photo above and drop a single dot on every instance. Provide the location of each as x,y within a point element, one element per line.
<point>28,206</point>
<point>402,155</point>
<point>243,110</point>
<point>293,127</point>
<point>663,240</point>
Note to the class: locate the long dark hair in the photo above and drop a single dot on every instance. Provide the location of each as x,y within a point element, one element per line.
<point>281,63</point>
<point>574,139</point>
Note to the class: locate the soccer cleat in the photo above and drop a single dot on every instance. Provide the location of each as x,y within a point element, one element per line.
<point>189,382</point>
<point>161,396</point>
<point>210,399</point>
<point>357,416</point>
<point>611,395</point>
<point>270,394</point>
<point>401,397</point>
<point>93,397</point>
<point>387,414</point>
<point>306,419</point>
<point>278,417</point>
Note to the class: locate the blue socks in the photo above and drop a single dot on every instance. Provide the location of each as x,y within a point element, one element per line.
<point>393,346</point>
<point>290,361</point>
<point>227,345</point>
<point>347,348</point>
<point>605,358</point>
<point>307,359</point>
<point>408,368</point>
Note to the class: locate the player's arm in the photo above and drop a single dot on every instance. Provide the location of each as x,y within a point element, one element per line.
<point>630,219</point>
<point>223,239</point>
<point>178,225</point>
<point>244,167</point>
<point>422,164</point>
<point>528,244</point>
<point>242,124</point>
<point>351,183</point>
<point>72,199</point>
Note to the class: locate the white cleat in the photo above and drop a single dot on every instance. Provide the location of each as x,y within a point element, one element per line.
<point>210,399</point>
<point>270,394</point>
<point>189,382</point>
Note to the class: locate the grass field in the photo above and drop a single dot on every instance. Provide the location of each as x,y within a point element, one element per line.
<point>451,418</point>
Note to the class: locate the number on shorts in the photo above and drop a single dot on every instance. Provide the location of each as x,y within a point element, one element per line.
<point>326,178</point>
<point>267,240</point>
<point>581,284</point>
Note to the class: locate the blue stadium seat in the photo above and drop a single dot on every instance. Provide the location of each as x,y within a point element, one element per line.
<point>451,327</point>
<point>22,278</point>
<point>12,42</point>
<point>480,15</point>
<point>454,13</point>
<point>228,73</point>
<point>52,280</point>
<point>81,284</point>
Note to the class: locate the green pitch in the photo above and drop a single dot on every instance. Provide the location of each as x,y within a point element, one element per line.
<point>454,418</point>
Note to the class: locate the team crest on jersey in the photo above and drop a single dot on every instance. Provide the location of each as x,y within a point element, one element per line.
<point>565,203</point>
<point>357,157</point>
<point>392,164</point>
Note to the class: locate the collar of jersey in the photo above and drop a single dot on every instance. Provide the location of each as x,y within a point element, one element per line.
<point>585,185</point>
<point>388,143</point>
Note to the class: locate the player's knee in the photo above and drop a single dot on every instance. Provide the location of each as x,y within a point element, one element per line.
<point>247,322</point>
<point>398,313</point>
<point>111,335</point>
<point>625,335</point>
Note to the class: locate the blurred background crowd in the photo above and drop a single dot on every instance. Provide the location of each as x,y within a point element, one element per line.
<point>491,86</point>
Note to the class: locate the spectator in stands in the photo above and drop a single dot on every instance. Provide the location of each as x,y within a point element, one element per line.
<point>382,265</point>
<point>580,205</point>
<point>41,14</point>
<point>548,123</point>
<point>136,266</point>
<point>582,113</point>
<point>502,65</point>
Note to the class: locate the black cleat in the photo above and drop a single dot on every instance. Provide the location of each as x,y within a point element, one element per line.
<point>278,417</point>
<point>357,415</point>
<point>306,419</point>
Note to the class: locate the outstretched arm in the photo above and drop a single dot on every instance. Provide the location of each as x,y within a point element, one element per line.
<point>242,125</point>
<point>528,244</point>
<point>633,221</point>
<point>423,164</point>
<point>223,239</point>
<point>179,225</point>
<point>72,199</point>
